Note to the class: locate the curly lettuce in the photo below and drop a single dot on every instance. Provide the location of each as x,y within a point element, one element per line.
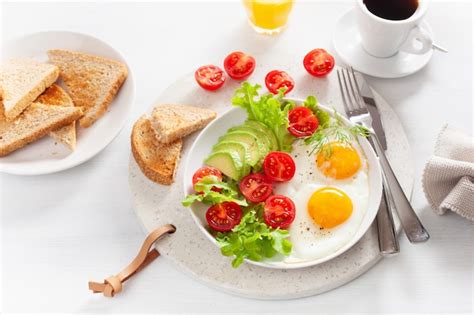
<point>269,109</point>
<point>205,194</point>
<point>253,239</point>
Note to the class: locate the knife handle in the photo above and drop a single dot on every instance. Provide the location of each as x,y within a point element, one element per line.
<point>388,241</point>
<point>410,222</point>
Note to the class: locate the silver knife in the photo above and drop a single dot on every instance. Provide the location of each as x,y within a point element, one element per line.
<point>369,100</point>
<point>388,240</point>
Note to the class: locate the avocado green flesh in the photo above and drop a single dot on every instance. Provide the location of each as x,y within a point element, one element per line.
<point>270,135</point>
<point>240,148</point>
<point>228,162</point>
<point>260,135</point>
<point>254,149</point>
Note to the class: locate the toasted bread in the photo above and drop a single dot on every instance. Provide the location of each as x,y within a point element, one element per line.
<point>172,122</point>
<point>56,96</point>
<point>22,81</point>
<point>157,161</point>
<point>92,81</point>
<point>35,122</point>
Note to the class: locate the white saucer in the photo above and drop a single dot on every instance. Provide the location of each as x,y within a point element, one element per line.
<point>346,41</point>
<point>46,155</point>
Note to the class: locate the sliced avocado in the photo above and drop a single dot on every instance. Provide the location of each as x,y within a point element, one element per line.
<point>242,150</point>
<point>261,136</point>
<point>256,149</point>
<point>262,127</point>
<point>228,162</point>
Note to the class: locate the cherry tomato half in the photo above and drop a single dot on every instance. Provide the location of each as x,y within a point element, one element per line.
<point>210,77</point>
<point>318,62</point>
<point>256,187</point>
<point>279,211</point>
<point>205,171</point>
<point>223,216</point>
<point>276,79</point>
<point>302,122</point>
<point>279,166</point>
<point>239,65</point>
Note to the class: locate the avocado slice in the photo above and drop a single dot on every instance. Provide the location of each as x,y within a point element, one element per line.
<point>262,127</point>
<point>256,150</point>
<point>261,136</point>
<point>228,162</point>
<point>242,150</point>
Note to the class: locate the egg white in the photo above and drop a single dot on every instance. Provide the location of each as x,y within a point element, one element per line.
<point>310,242</point>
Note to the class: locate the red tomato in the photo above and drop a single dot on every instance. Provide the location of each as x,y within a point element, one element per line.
<point>279,211</point>
<point>239,65</point>
<point>205,171</point>
<point>279,166</point>
<point>256,187</point>
<point>277,79</point>
<point>210,77</point>
<point>302,122</point>
<point>318,62</point>
<point>223,216</point>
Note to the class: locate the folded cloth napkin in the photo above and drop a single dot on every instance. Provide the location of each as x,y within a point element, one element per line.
<point>448,178</point>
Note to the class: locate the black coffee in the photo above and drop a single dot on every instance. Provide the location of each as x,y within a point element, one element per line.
<point>392,9</point>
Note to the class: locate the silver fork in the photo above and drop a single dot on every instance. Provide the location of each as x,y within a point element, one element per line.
<point>358,113</point>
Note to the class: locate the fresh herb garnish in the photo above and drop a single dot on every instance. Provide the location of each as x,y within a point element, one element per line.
<point>206,195</point>
<point>269,109</point>
<point>334,129</point>
<point>253,239</point>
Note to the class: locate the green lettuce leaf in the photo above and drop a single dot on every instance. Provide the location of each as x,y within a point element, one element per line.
<point>253,239</point>
<point>206,195</point>
<point>323,117</point>
<point>268,109</point>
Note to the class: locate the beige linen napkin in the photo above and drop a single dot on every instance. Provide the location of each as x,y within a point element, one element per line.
<point>448,178</point>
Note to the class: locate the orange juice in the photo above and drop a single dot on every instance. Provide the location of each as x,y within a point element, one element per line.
<point>268,16</point>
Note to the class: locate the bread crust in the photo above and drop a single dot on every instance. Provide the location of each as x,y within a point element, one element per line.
<point>162,170</point>
<point>7,148</point>
<point>80,75</point>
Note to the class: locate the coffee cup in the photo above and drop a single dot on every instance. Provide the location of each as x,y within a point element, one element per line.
<point>384,37</point>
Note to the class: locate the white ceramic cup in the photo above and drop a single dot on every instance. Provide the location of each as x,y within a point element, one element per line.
<point>384,38</point>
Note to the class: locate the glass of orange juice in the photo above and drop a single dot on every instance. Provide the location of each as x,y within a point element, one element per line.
<point>268,16</point>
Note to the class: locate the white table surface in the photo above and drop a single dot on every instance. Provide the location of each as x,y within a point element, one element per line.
<point>61,230</point>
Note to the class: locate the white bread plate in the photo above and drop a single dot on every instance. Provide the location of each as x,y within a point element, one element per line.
<point>47,155</point>
<point>209,136</point>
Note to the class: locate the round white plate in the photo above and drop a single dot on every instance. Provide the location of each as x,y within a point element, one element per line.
<point>346,41</point>
<point>201,148</point>
<point>46,155</point>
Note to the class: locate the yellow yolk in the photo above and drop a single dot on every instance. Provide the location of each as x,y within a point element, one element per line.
<point>343,161</point>
<point>329,207</point>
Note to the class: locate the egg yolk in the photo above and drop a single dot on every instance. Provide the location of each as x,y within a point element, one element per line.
<point>338,160</point>
<point>329,207</point>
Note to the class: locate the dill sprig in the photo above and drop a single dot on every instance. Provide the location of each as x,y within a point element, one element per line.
<point>334,130</point>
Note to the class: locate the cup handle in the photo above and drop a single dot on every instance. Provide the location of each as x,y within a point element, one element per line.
<point>420,35</point>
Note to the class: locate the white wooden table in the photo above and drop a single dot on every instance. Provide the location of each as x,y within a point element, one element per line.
<point>61,230</point>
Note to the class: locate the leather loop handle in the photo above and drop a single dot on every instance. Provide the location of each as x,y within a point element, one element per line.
<point>113,284</point>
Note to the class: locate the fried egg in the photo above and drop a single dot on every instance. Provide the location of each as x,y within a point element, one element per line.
<point>330,193</point>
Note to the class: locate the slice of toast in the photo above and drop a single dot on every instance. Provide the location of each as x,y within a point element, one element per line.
<point>56,96</point>
<point>35,122</point>
<point>157,161</point>
<point>22,81</point>
<point>92,81</point>
<point>172,122</point>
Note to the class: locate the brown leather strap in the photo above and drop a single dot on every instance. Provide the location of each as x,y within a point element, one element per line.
<point>113,284</point>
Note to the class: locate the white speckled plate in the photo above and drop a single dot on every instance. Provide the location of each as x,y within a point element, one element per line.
<point>193,253</point>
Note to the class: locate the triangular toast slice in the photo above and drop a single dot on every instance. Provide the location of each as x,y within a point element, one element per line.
<point>172,122</point>
<point>92,81</point>
<point>56,96</point>
<point>35,122</point>
<point>158,161</point>
<point>22,81</point>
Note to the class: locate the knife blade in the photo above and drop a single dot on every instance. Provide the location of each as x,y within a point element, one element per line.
<point>369,101</point>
